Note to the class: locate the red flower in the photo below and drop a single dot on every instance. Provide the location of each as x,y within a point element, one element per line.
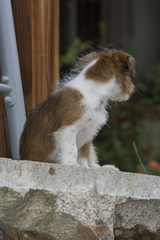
<point>153,164</point>
<point>139,170</point>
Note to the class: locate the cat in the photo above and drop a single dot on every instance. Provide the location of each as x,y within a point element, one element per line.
<point>62,129</point>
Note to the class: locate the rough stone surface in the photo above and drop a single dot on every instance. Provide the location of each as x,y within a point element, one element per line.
<point>54,202</point>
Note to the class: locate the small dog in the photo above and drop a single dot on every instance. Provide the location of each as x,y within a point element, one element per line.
<point>62,128</point>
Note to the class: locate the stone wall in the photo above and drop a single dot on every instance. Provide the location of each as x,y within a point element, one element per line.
<point>44,201</point>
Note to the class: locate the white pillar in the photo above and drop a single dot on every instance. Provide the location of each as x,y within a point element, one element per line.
<point>11,85</point>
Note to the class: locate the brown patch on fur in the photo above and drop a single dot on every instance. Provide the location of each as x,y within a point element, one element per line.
<point>83,61</point>
<point>113,63</point>
<point>85,150</point>
<point>59,110</point>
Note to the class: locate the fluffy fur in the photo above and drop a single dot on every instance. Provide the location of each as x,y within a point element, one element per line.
<point>62,128</point>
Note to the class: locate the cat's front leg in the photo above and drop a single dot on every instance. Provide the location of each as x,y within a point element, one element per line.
<point>83,155</point>
<point>66,147</point>
<point>93,158</point>
<point>87,156</point>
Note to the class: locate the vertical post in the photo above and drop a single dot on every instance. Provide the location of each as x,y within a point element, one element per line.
<point>11,79</point>
<point>37,33</point>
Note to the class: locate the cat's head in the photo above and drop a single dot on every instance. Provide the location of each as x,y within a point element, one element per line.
<point>114,67</point>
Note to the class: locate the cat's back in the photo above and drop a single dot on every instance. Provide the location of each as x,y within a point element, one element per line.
<point>61,109</point>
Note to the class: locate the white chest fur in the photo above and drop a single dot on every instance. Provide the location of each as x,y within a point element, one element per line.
<point>95,96</point>
<point>89,125</point>
<point>70,139</point>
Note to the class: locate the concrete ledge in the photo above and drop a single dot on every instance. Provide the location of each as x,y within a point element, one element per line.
<point>72,203</point>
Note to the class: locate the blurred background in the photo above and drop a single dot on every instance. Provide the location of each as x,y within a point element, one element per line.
<point>45,28</point>
<point>131,139</point>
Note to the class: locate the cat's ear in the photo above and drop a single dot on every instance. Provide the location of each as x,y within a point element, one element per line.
<point>102,70</point>
<point>86,59</point>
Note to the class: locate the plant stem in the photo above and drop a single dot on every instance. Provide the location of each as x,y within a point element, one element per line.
<point>139,158</point>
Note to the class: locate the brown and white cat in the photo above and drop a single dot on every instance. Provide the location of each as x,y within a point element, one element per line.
<point>62,128</point>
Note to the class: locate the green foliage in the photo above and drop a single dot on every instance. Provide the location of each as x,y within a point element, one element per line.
<point>102,33</point>
<point>78,46</point>
<point>156,86</point>
<point>114,144</point>
<point>150,89</point>
<point>72,52</point>
<point>152,168</point>
<point>139,158</point>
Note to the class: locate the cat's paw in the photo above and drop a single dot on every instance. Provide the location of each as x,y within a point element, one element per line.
<point>83,162</point>
<point>71,163</point>
<point>94,165</point>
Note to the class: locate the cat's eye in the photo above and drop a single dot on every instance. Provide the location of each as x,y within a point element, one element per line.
<point>126,67</point>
